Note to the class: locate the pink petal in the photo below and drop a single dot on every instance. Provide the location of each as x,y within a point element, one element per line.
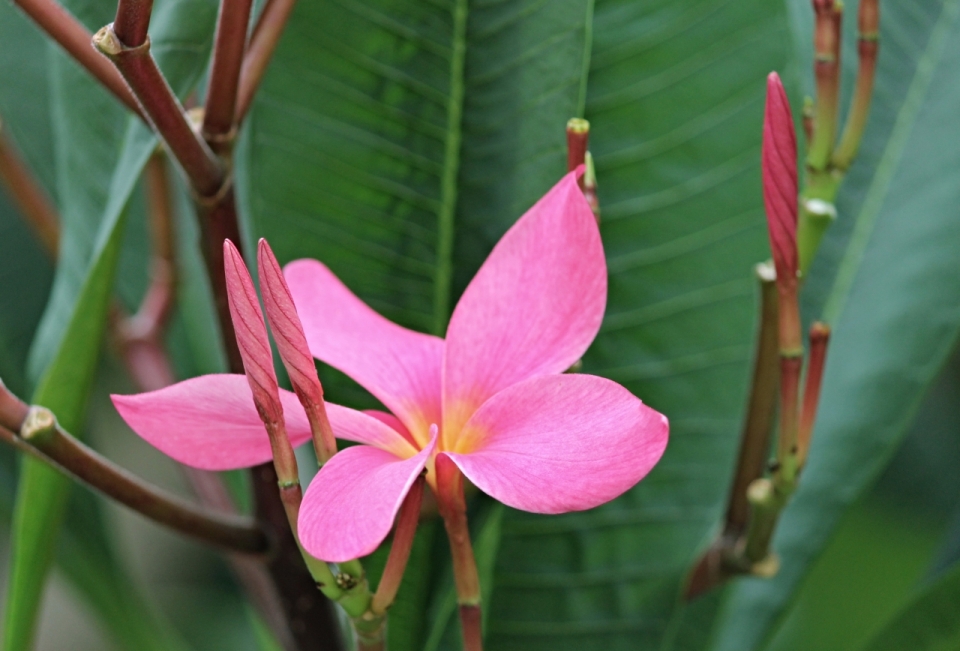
<point>532,309</point>
<point>209,422</point>
<point>560,443</point>
<point>391,420</point>
<point>780,180</point>
<point>398,366</point>
<point>351,504</point>
<point>362,427</point>
<point>251,334</point>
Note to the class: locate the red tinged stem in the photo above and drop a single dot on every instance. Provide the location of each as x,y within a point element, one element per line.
<point>400,550</point>
<point>453,509</point>
<point>220,110</point>
<point>263,43</point>
<point>138,68</point>
<point>74,38</point>
<point>819,339</point>
<point>827,72</point>
<point>132,21</point>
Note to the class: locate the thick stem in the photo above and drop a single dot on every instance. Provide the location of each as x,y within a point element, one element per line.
<point>137,66</point>
<point>218,222</point>
<point>132,21</point>
<point>819,338</point>
<point>29,196</point>
<point>263,42</point>
<point>400,550</point>
<point>41,431</point>
<point>73,37</point>
<point>761,407</point>
<point>221,105</point>
<point>719,562</point>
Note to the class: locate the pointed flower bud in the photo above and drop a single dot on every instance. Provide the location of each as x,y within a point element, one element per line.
<point>294,351</point>
<point>254,348</point>
<point>780,180</point>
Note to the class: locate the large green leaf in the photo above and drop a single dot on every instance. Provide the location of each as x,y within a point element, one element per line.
<point>675,99</point>
<point>99,155</point>
<point>931,622</point>
<point>888,282</point>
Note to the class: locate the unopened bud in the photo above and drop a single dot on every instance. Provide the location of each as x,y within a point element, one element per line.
<point>294,351</point>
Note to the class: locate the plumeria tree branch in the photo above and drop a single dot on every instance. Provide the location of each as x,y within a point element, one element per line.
<point>136,64</point>
<point>219,117</point>
<point>719,562</point>
<point>73,37</point>
<point>39,434</point>
<point>263,42</point>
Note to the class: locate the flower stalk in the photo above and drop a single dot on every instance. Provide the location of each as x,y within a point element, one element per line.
<point>453,510</point>
<point>403,536</point>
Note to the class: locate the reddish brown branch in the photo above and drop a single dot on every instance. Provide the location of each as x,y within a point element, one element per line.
<point>819,338</point>
<point>138,68</point>
<point>221,106</point>
<point>75,39</point>
<point>719,562</point>
<point>30,197</point>
<point>132,21</point>
<point>263,43</point>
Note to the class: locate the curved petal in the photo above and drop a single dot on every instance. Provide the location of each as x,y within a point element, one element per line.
<point>351,504</point>
<point>532,309</point>
<point>389,419</point>
<point>398,366</point>
<point>560,443</point>
<point>209,422</point>
<point>361,427</point>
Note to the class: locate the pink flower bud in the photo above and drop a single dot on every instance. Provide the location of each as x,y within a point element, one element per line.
<point>293,348</point>
<point>251,336</point>
<point>780,182</point>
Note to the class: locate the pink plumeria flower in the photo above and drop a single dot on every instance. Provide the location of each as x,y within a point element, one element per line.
<point>515,425</point>
<point>492,397</point>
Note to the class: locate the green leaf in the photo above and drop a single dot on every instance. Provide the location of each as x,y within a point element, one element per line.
<point>98,167</point>
<point>889,285</point>
<point>22,259</point>
<point>931,622</point>
<point>675,101</point>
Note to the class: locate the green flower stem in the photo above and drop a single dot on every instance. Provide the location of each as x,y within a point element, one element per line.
<point>827,73</point>
<point>867,47</point>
